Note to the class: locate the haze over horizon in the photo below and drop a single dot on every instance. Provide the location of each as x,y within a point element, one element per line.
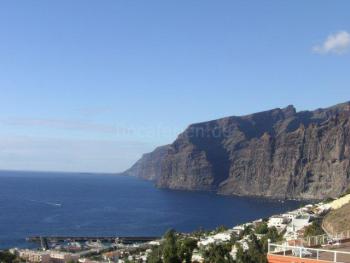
<point>88,86</point>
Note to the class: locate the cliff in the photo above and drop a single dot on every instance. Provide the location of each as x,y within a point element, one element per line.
<point>278,153</point>
<point>149,166</point>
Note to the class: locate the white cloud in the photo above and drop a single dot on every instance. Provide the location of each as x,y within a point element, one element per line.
<point>338,43</point>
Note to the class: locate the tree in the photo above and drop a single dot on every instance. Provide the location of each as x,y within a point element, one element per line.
<point>315,229</point>
<point>155,256</point>
<point>273,234</point>
<point>241,256</point>
<point>217,254</point>
<point>199,233</point>
<point>262,228</point>
<point>7,257</point>
<point>185,249</point>
<point>220,229</point>
<point>255,254</point>
<point>234,238</point>
<point>247,230</point>
<point>256,251</point>
<point>170,251</point>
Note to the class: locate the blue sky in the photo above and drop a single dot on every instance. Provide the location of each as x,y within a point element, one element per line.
<point>91,85</point>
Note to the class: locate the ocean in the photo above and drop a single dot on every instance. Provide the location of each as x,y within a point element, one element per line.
<point>33,203</point>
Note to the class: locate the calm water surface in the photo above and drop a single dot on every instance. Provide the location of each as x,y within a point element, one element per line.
<point>84,204</point>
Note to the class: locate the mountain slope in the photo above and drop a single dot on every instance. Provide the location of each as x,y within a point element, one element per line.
<point>149,166</point>
<point>278,153</point>
<point>337,220</point>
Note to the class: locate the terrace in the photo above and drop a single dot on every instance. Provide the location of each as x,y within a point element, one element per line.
<point>312,250</point>
<point>284,254</point>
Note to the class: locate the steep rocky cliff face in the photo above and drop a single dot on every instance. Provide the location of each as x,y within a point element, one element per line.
<point>278,153</point>
<point>149,166</point>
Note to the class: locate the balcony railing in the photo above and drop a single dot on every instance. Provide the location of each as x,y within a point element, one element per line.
<point>320,240</point>
<point>309,253</point>
<point>342,235</point>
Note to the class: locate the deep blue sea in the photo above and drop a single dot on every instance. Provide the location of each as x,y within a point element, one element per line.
<point>33,203</point>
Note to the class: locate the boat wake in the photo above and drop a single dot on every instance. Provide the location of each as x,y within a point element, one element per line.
<point>46,203</point>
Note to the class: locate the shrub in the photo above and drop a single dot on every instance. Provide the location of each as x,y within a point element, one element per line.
<point>262,228</point>
<point>314,229</point>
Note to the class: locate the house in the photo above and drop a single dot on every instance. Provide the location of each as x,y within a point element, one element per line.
<point>34,256</point>
<point>223,237</point>
<point>197,257</point>
<point>111,256</point>
<point>205,242</point>
<point>299,223</point>
<point>289,216</point>
<point>217,238</point>
<point>63,257</point>
<point>86,260</point>
<point>277,221</point>
<point>240,228</point>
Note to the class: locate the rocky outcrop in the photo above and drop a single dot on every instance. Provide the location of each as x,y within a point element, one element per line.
<point>279,153</point>
<point>149,166</point>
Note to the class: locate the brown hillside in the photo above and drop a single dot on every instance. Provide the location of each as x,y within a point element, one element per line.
<point>338,220</point>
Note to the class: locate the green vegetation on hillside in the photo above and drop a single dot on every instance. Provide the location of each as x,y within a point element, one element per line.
<point>179,249</point>
<point>218,254</point>
<point>173,250</point>
<point>315,229</point>
<point>7,257</point>
<point>262,228</point>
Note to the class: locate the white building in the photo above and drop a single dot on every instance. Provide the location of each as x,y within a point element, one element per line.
<point>290,216</point>
<point>299,223</point>
<point>86,260</point>
<point>217,238</point>
<point>205,242</point>
<point>63,257</point>
<point>154,243</point>
<point>240,228</point>
<point>223,237</point>
<point>34,256</point>
<point>197,257</point>
<point>277,221</point>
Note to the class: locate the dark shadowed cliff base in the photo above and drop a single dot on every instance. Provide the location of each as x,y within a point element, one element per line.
<point>278,153</point>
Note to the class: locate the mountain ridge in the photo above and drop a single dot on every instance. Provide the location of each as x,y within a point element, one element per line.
<point>278,153</point>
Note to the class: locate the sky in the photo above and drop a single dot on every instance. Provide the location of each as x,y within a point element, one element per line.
<point>91,85</point>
